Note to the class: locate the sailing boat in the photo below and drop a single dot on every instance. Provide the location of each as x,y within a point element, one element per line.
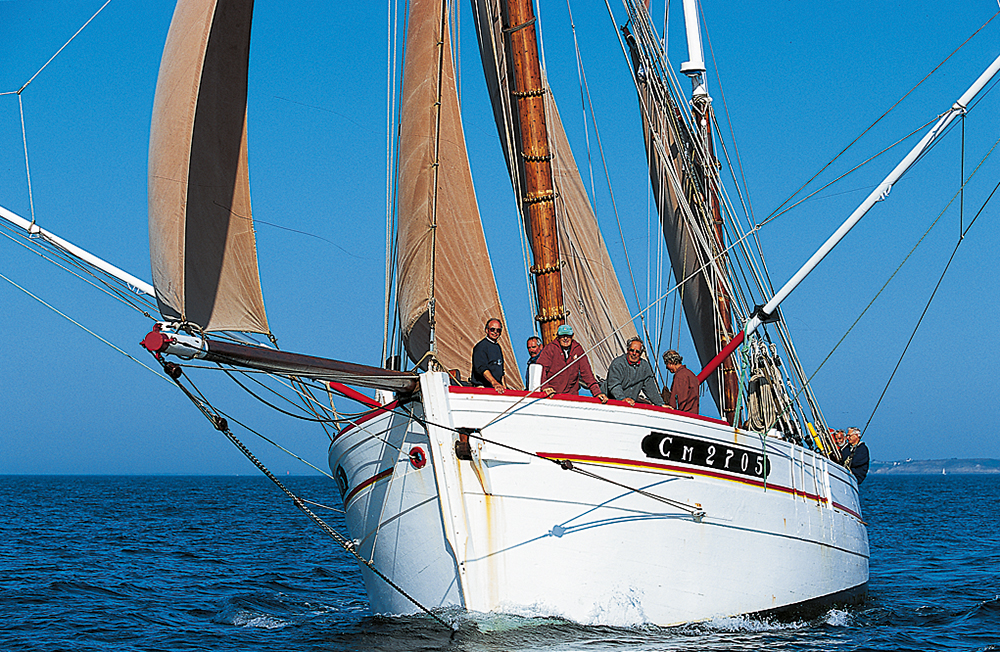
<point>548,511</point>
<point>545,505</point>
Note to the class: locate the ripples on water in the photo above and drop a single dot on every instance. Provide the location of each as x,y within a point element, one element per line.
<point>163,563</point>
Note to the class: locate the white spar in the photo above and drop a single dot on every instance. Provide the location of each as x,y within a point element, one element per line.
<point>141,287</point>
<point>880,193</point>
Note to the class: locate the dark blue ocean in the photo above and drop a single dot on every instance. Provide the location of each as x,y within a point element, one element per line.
<point>223,563</point>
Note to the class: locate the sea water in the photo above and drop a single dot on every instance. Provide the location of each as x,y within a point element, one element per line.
<point>228,563</point>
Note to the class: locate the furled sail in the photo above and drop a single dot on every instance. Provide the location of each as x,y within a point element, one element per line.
<point>443,266</point>
<point>201,237</point>
<point>687,225</point>
<point>597,310</point>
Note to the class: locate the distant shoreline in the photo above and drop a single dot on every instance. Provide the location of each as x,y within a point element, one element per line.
<point>953,466</point>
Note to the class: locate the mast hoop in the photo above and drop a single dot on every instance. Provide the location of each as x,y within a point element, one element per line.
<point>535,269</point>
<point>535,92</point>
<point>527,23</point>
<point>538,199</point>
<point>556,315</point>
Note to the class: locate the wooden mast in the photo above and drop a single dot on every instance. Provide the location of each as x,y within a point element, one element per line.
<point>539,200</point>
<point>730,379</point>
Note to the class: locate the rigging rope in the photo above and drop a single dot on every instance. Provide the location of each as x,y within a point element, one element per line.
<point>220,423</point>
<point>70,319</point>
<point>42,247</point>
<point>903,262</point>
<point>889,110</point>
<point>24,136</point>
<point>961,238</point>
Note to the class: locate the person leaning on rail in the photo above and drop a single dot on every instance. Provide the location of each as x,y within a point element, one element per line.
<point>683,394</point>
<point>487,358</point>
<point>857,457</point>
<point>565,366</point>
<point>630,376</point>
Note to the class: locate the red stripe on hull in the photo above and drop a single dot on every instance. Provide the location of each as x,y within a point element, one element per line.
<point>693,470</point>
<point>367,483</point>
<point>575,398</point>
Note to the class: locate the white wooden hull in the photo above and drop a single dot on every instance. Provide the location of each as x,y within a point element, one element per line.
<point>517,533</point>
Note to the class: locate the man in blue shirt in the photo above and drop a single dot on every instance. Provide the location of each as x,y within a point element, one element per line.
<point>487,359</point>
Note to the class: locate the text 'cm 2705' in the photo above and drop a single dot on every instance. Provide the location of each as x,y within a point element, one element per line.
<point>707,454</point>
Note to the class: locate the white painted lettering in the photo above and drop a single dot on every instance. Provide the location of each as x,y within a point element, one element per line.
<point>688,454</point>
<point>710,460</point>
<point>729,456</point>
<point>663,446</point>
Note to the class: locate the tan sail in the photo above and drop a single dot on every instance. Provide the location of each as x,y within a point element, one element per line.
<point>201,237</point>
<point>591,293</point>
<point>442,256</point>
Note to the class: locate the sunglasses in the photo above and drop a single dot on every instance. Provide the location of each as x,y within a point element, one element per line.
<point>495,330</point>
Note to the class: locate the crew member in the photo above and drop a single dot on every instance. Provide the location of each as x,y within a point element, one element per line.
<point>840,441</point>
<point>565,366</point>
<point>857,457</point>
<point>683,393</point>
<point>534,348</point>
<point>487,359</point>
<point>630,374</point>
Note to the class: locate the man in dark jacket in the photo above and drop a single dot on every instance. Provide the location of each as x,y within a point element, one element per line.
<point>857,457</point>
<point>487,359</point>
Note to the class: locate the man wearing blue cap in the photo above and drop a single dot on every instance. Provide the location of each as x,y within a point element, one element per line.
<point>565,366</point>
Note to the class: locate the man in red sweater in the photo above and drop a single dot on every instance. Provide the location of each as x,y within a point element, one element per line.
<point>565,366</point>
<point>683,394</point>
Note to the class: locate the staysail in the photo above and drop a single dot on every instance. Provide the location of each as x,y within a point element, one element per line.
<point>591,293</point>
<point>443,266</point>
<point>201,238</point>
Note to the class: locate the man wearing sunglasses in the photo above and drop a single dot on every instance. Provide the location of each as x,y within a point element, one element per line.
<point>487,359</point>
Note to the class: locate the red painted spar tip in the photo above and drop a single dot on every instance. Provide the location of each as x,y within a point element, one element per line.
<point>723,354</point>
<point>155,341</point>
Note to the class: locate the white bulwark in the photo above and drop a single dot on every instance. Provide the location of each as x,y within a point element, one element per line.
<point>595,513</point>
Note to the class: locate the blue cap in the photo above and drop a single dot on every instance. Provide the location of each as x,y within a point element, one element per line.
<point>565,329</point>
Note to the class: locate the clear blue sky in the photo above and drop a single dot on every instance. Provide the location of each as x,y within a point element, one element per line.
<point>801,80</point>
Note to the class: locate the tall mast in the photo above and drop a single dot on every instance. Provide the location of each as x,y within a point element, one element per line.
<point>701,102</point>
<point>539,202</point>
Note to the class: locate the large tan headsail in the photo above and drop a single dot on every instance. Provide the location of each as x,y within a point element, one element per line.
<point>442,255</point>
<point>201,237</point>
<point>591,292</point>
